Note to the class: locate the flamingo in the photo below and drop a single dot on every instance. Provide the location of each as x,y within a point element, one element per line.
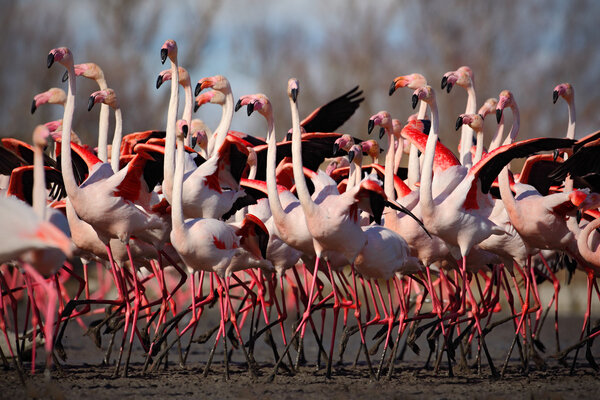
<point>209,244</point>
<point>464,78</point>
<point>185,82</point>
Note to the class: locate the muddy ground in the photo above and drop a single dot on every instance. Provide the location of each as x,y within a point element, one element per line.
<point>84,375</point>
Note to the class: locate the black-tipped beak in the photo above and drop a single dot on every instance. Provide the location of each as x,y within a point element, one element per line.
<point>184,129</point>
<point>555,96</point>
<point>370,126</point>
<point>294,94</point>
<point>196,107</point>
<point>288,137</point>
<point>198,89</point>
<point>444,82</point>
<point>159,81</point>
<point>392,89</point>
<point>91,102</point>
<point>498,115</point>
<point>555,154</point>
<point>381,132</point>
<point>250,109</point>
<point>33,107</point>
<point>238,105</point>
<point>50,60</point>
<point>578,216</point>
<point>350,156</point>
<point>449,87</point>
<point>415,100</point>
<point>163,55</point>
<point>336,147</point>
<point>426,126</point>
<point>377,204</point>
<point>65,76</point>
<point>459,122</point>
<point>194,141</point>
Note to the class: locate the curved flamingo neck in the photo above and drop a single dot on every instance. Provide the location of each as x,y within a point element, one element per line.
<point>478,148</point>
<point>466,137</point>
<point>169,163</point>
<point>103,124</point>
<point>116,143</point>
<point>226,117</point>
<point>273,196</point>
<point>176,206</point>
<point>39,183</point>
<point>592,257</point>
<point>301,188</point>
<point>65,151</point>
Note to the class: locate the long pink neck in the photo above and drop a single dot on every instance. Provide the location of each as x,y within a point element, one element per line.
<point>466,137</point>
<point>570,135</point>
<point>176,206</point>
<point>414,166</point>
<point>116,143</point>
<point>425,191</point>
<point>497,139</point>
<point>592,257</point>
<point>169,163</point>
<point>273,196</point>
<point>66,165</point>
<point>187,108</point>
<point>388,184</point>
<point>103,125</point>
<point>302,189</point>
<point>506,194</point>
<point>39,183</point>
<point>220,133</point>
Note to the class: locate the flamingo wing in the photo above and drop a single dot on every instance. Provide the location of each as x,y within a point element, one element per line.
<point>332,115</point>
<point>21,183</point>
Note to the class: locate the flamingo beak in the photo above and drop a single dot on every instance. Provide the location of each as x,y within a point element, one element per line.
<point>336,147</point>
<point>91,102</point>
<point>194,141</point>
<point>159,81</point>
<point>33,106</point>
<point>498,115</point>
<point>449,87</point>
<point>444,82</point>
<point>351,156</point>
<point>250,109</point>
<point>370,126</point>
<point>381,132</point>
<point>238,105</point>
<point>555,96</point>
<point>415,100</point>
<point>294,93</point>
<point>163,55</point>
<point>65,76</point>
<point>459,122</point>
<point>50,60</point>
<point>197,89</point>
<point>197,106</point>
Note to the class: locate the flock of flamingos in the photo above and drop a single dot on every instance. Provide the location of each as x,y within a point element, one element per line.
<point>449,247</point>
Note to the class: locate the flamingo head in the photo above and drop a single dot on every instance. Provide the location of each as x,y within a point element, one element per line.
<point>199,134</point>
<point>62,55</point>
<point>163,76</point>
<point>50,96</point>
<point>475,121</point>
<point>41,136</point>
<point>252,158</point>
<point>217,82</point>
<point>293,88</point>
<point>54,126</point>
<point>211,96</point>
<point>505,99</point>
<point>488,107</point>
<point>168,49</point>
<point>344,142</point>
<point>564,90</point>
<point>462,77</point>
<point>333,164</point>
<point>182,129</point>
<point>371,190</point>
<point>371,148</point>
<point>412,81</point>
<point>383,119</point>
<point>106,96</point>
<point>355,154</point>
<point>425,94</point>
<point>255,102</point>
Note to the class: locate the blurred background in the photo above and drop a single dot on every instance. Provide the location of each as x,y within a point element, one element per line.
<point>525,46</point>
